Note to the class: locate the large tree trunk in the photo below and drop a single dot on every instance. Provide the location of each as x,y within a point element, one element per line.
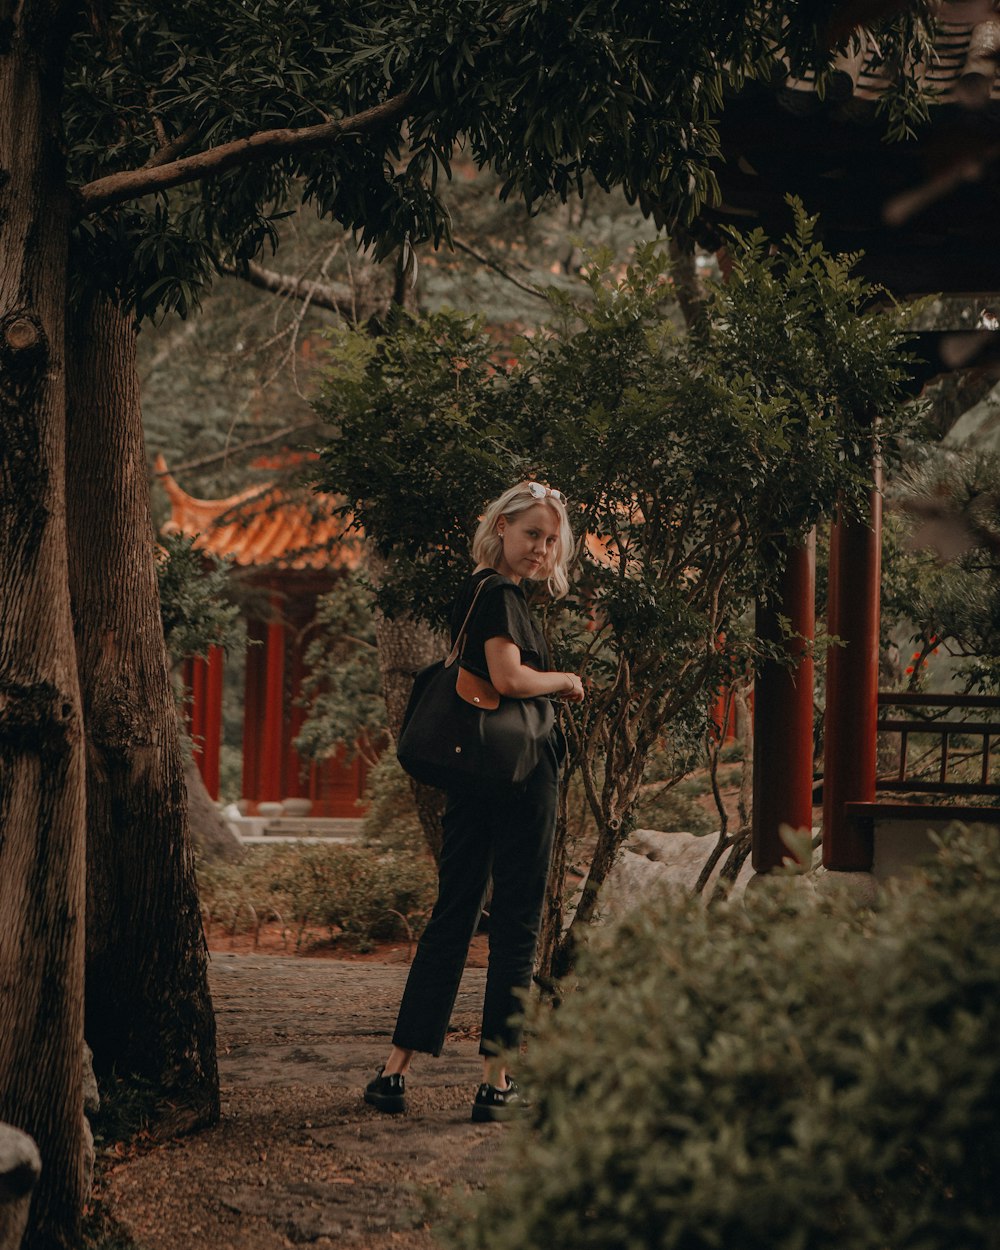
<point>41,736</point>
<point>148,1010</point>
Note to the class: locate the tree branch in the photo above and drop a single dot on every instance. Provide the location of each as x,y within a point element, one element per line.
<point>172,149</point>
<point>337,299</point>
<point>203,461</point>
<point>265,145</point>
<point>492,264</point>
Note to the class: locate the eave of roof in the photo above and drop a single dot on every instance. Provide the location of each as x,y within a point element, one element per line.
<point>261,527</point>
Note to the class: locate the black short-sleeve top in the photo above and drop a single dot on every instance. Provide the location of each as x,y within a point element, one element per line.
<point>501,612</point>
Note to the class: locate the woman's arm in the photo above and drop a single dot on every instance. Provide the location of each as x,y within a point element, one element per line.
<point>517,681</point>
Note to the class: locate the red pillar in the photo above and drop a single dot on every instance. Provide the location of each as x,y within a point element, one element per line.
<point>212,723</point>
<point>193,673</point>
<point>253,707</point>
<point>783,714</point>
<point>270,772</point>
<point>296,785</point>
<point>203,714</point>
<point>852,686</point>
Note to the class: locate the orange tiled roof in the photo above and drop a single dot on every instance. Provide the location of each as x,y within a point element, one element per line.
<point>260,526</point>
<point>961,68</point>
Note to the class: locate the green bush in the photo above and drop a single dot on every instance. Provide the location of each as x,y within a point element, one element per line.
<point>674,809</point>
<point>786,1075</point>
<point>392,819</point>
<point>354,894</point>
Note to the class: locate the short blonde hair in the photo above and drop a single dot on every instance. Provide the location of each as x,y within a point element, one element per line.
<point>487,544</point>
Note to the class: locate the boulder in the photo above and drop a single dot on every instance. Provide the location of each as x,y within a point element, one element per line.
<point>20,1167</point>
<point>91,1097</point>
<point>651,860</point>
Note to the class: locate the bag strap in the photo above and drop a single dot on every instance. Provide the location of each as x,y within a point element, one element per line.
<point>459,644</point>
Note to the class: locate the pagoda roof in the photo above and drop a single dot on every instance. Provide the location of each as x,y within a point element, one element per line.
<point>263,526</point>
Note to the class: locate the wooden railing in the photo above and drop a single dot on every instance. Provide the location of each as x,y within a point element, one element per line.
<point>928,774</point>
<point>947,724</point>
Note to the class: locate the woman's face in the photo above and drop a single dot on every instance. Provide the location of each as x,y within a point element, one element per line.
<point>529,542</point>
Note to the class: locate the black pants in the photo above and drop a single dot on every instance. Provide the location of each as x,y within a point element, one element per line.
<point>506,834</point>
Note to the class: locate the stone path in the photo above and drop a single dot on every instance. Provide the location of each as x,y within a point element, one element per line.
<point>297,1158</point>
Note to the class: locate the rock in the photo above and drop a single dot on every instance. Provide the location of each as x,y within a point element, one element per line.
<point>296,807</point>
<point>91,1096</point>
<point>20,1167</point>
<point>651,860</point>
<point>210,832</point>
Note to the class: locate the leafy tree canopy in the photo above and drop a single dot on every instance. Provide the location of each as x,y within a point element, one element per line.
<point>941,588</point>
<point>358,108</point>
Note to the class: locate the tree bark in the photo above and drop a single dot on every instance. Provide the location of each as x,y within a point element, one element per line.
<point>554,912</point>
<point>404,646</point>
<point>148,1009</point>
<point>41,734</point>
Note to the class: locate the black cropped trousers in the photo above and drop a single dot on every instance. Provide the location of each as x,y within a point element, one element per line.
<point>507,835</point>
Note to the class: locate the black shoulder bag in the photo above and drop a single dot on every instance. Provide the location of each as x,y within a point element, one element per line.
<point>458,732</point>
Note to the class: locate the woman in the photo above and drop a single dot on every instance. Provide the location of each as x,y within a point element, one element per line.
<point>506,835</point>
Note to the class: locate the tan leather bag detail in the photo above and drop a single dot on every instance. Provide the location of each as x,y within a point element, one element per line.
<point>476,690</point>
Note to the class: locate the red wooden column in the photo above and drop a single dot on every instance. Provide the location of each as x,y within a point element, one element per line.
<point>203,679</point>
<point>783,714</point>
<point>212,727</point>
<point>253,707</point>
<point>296,782</point>
<point>852,685</point>
<point>272,738</point>
<point>193,676</point>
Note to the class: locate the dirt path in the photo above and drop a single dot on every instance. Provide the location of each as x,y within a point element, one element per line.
<point>298,1159</point>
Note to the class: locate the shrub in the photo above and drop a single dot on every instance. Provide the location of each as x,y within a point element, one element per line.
<point>674,809</point>
<point>392,819</point>
<point>354,893</point>
<point>787,1075</point>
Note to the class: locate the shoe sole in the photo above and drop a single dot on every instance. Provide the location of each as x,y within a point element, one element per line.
<point>389,1105</point>
<point>496,1115</point>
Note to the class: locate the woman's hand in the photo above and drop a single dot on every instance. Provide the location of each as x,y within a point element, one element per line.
<point>574,694</point>
<point>517,681</point>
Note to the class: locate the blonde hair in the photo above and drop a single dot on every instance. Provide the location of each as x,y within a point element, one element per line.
<point>487,543</point>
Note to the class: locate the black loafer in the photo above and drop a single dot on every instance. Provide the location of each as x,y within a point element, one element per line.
<point>387,1093</point>
<point>497,1104</point>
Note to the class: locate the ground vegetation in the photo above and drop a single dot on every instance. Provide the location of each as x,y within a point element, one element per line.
<point>780,1073</point>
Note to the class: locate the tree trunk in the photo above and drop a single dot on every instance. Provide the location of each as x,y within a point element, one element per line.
<point>148,1009</point>
<point>609,840</point>
<point>404,646</point>
<point>41,735</point>
<point>554,911</point>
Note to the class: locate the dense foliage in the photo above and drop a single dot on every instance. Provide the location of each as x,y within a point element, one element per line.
<point>342,689</point>
<point>781,1075</point>
<point>195,600</point>
<point>688,464</point>
<point>942,589</point>
<point>347,894</point>
<point>544,92</point>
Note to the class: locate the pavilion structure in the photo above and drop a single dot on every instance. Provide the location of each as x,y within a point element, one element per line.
<point>926,214</point>
<point>290,552</point>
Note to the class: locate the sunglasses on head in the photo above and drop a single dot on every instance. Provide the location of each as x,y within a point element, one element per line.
<point>537,491</point>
